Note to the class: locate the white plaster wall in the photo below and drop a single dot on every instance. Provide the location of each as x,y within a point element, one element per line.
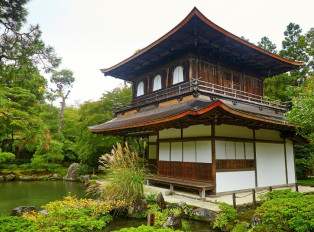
<point>231,181</point>
<point>170,133</point>
<point>220,149</point>
<point>233,131</point>
<point>266,134</point>
<point>239,150</point>
<point>290,162</point>
<point>230,150</point>
<point>176,151</point>
<point>270,162</point>
<point>152,138</point>
<point>152,151</point>
<point>203,151</point>
<point>189,150</point>
<point>197,131</point>
<point>249,150</point>
<point>164,151</point>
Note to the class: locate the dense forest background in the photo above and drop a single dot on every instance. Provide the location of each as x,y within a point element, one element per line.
<point>34,133</point>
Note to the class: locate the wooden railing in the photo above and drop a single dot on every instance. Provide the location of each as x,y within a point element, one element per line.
<point>200,86</point>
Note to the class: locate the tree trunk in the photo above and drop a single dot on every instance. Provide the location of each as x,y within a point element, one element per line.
<point>62,113</point>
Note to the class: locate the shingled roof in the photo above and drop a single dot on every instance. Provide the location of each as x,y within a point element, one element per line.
<point>197,33</point>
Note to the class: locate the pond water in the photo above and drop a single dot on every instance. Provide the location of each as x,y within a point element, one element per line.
<point>36,193</point>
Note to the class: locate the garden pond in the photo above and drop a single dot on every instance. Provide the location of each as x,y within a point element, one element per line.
<point>38,193</point>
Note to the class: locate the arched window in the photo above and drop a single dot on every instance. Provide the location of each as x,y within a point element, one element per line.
<point>157,83</point>
<point>140,89</point>
<point>177,75</point>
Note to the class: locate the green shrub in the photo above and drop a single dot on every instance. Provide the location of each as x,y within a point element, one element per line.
<point>15,224</point>
<point>73,214</point>
<point>228,215</point>
<point>240,227</point>
<point>144,228</point>
<point>83,169</point>
<point>284,213</point>
<point>302,168</point>
<point>285,193</point>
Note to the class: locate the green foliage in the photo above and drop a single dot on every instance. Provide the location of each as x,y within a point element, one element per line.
<point>151,198</point>
<point>6,156</point>
<point>285,193</point>
<point>240,227</point>
<point>287,211</point>
<point>126,174</point>
<point>90,147</point>
<point>267,45</point>
<point>144,228</point>
<point>71,214</point>
<point>83,169</point>
<point>15,224</point>
<point>228,214</point>
<point>302,167</point>
<point>308,182</point>
<point>302,111</point>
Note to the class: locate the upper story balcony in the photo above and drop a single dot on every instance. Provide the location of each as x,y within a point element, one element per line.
<point>197,86</point>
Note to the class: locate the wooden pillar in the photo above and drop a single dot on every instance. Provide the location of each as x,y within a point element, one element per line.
<point>295,173</point>
<point>213,157</point>
<point>285,152</point>
<point>254,198</point>
<point>254,148</point>
<point>234,200</point>
<point>157,153</point>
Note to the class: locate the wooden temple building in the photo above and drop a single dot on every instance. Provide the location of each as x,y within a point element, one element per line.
<point>198,97</point>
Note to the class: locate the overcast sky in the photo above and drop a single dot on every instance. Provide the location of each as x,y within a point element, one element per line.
<point>94,34</point>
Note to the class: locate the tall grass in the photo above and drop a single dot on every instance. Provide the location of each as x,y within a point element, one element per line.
<point>126,173</point>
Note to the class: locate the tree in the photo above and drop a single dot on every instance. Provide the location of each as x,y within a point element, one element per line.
<point>64,80</point>
<point>89,146</point>
<point>267,45</point>
<point>295,47</point>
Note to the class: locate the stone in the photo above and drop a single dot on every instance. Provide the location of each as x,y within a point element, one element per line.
<point>55,177</point>
<point>256,220</point>
<point>22,209</point>
<point>161,201</point>
<point>1,178</point>
<point>181,203</point>
<point>204,214</point>
<point>43,211</point>
<point>26,178</point>
<point>10,177</point>
<point>168,193</point>
<point>173,221</point>
<point>138,207</point>
<point>71,174</point>
<point>85,178</point>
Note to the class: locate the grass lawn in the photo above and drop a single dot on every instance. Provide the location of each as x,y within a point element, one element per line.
<point>307,182</point>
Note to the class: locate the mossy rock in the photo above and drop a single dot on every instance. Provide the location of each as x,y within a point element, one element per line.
<point>246,216</point>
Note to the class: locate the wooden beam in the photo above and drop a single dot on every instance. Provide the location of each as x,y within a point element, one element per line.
<point>285,152</point>
<point>254,148</point>
<point>213,157</point>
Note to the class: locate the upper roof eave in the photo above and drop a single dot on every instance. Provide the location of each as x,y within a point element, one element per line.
<point>196,12</point>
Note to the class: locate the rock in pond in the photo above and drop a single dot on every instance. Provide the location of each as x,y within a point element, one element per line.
<point>1,178</point>
<point>161,201</point>
<point>85,178</point>
<point>138,207</point>
<point>55,177</point>
<point>71,175</point>
<point>173,221</point>
<point>10,177</point>
<point>22,209</point>
<point>26,178</point>
<point>204,214</point>
<point>43,211</point>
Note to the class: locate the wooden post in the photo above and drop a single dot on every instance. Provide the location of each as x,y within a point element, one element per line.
<point>296,187</point>
<point>270,188</point>
<point>171,188</point>
<point>151,219</point>
<point>254,198</point>
<point>234,200</point>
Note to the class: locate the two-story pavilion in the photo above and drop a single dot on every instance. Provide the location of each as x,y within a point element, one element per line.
<point>198,97</point>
